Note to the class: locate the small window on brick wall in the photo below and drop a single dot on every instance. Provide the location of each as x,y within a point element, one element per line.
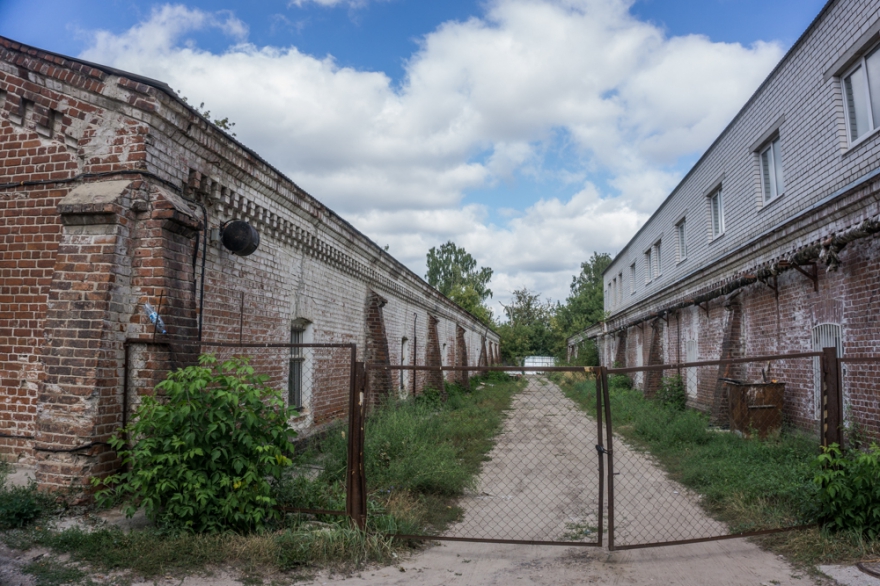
<point>295,374</point>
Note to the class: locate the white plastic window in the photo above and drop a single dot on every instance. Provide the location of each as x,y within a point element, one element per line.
<point>772,177</point>
<point>861,92</point>
<point>716,213</point>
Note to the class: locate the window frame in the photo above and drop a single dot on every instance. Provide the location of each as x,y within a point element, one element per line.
<point>657,267</point>
<point>716,231</point>
<point>632,278</point>
<point>681,241</point>
<point>295,366</point>
<point>770,193</point>
<point>874,126</point>
<point>649,265</point>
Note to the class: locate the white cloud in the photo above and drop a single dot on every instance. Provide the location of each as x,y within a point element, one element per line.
<point>483,103</point>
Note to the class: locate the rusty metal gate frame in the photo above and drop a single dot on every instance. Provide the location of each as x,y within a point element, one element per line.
<point>830,427</point>
<point>600,378</point>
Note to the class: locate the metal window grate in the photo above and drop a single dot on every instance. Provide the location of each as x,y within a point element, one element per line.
<point>295,374</point>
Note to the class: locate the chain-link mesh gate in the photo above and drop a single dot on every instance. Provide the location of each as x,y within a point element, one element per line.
<point>542,482</point>
<point>653,494</point>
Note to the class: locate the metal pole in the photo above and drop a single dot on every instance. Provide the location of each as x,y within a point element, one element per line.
<point>609,451</point>
<point>355,485</point>
<point>600,450</point>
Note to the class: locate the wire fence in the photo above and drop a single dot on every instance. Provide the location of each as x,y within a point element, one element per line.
<point>656,461</point>
<point>541,481</point>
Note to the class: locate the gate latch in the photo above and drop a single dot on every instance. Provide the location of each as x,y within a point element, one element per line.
<point>601,449</point>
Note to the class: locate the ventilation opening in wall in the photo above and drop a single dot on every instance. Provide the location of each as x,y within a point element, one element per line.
<point>824,336</point>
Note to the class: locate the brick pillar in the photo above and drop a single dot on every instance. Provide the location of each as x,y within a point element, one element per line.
<point>376,350</point>
<point>653,378</point>
<point>620,351</point>
<point>78,402</point>
<point>93,307</point>
<point>484,356</point>
<point>434,378</point>
<point>461,358</point>
<point>731,347</point>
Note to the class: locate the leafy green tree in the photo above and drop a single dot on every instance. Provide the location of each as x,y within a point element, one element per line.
<point>453,272</point>
<point>586,302</point>
<point>530,329</point>
<point>451,266</point>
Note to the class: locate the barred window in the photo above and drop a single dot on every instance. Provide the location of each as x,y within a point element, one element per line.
<point>295,373</point>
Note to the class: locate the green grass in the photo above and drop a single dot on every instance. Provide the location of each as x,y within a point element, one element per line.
<point>750,484</point>
<point>421,454</point>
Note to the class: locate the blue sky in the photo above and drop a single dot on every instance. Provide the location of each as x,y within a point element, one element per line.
<point>530,131</point>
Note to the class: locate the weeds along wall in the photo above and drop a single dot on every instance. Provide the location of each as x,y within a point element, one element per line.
<point>728,267</point>
<point>112,195</point>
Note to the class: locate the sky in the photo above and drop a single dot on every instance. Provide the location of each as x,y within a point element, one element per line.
<point>530,132</point>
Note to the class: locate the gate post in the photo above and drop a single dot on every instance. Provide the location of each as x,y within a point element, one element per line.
<point>832,399</point>
<point>609,451</point>
<point>355,482</point>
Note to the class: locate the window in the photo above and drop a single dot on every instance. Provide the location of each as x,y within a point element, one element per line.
<point>772,178</point>
<point>295,373</point>
<point>716,213</point>
<point>656,256</point>
<point>824,336</point>
<point>649,264</point>
<point>620,287</point>
<point>861,94</point>
<point>632,278</point>
<point>681,245</point>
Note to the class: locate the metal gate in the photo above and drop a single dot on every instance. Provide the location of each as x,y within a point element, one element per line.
<point>542,482</point>
<point>648,504</point>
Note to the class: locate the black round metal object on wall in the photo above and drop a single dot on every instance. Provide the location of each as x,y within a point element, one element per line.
<point>239,237</point>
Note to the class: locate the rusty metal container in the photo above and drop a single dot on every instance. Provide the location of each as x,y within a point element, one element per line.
<point>755,407</point>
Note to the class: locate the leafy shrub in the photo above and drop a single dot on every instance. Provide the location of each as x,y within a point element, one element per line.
<point>849,489</point>
<point>20,506</point>
<point>202,457</point>
<point>672,393</point>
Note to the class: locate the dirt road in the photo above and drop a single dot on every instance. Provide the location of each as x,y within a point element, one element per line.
<point>541,483</point>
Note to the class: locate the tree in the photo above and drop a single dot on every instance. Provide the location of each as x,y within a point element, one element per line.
<point>586,303</point>
<point>451,266</point>
<point>453,272</point>
<point>530,328</point>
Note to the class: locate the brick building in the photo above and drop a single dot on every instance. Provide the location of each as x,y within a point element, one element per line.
<point>767,245</point>
<point>113,194</point>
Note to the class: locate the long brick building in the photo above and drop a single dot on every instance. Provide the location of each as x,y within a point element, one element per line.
<point>767,245</point>
<point>115,194</point>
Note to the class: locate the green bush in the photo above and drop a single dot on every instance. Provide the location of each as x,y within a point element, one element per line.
<point>20,506</point>
<point>203,456</point>
<point>672,393</point>
<point>849,489</point>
